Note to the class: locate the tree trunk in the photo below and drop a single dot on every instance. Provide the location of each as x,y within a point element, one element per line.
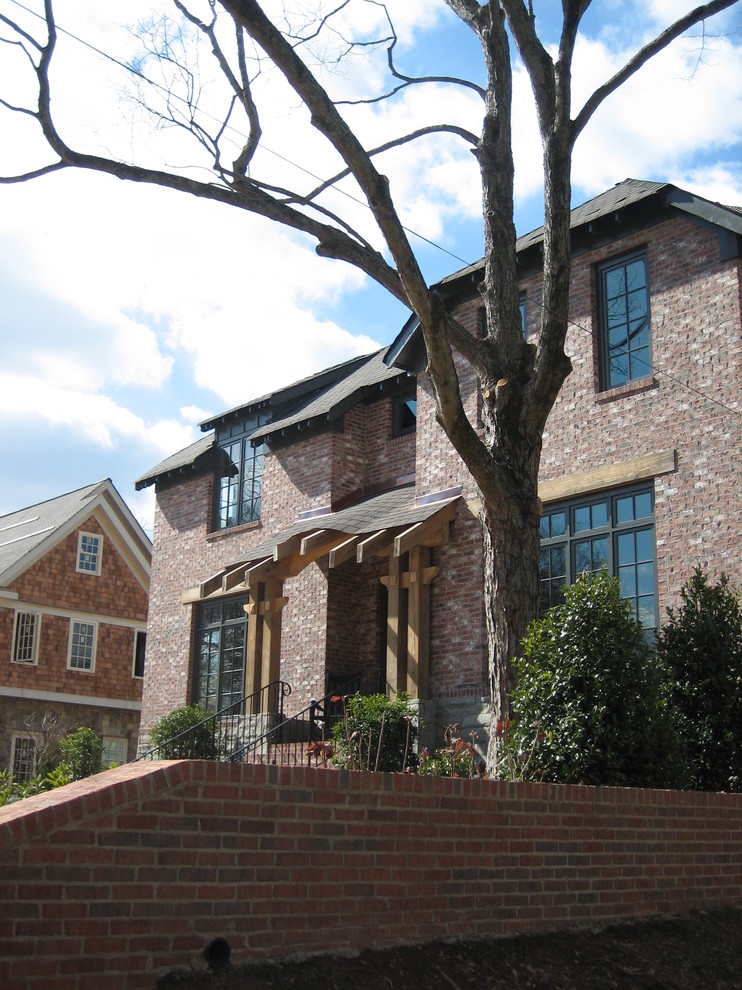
<point>511,547</point>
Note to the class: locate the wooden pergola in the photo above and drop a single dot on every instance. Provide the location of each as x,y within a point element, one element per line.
<point>408,580</point>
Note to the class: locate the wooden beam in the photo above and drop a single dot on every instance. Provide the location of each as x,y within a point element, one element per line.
<point>287,548</point>
<point>259,571</point>
<point>318,544</point>
<point>377,544</point>
<point>432,532</point>
<point>234,577</point>
<point>210,585</point>
<point>609,476</point>
<point>344,551</point>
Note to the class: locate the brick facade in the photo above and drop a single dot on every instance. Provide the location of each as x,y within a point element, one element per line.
<point>682,418</point>
<point>118,879</point>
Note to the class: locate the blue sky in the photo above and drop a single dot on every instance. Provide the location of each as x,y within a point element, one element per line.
<point>128,314</point>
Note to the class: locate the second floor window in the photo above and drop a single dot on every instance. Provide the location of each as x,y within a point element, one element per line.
<point>26,637</point>
<point>623,291</point>
<point>239,479</point>
<point>82,646</point>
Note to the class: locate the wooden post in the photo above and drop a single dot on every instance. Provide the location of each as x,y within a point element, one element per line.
<point>396,630</point>
<point>271,608</point>
<point>254,646</point>
<point>418,624</point>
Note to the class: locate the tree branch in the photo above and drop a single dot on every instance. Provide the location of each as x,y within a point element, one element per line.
<point>643,56</point>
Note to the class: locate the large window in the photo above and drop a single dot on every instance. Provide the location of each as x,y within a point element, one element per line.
<point>219,666</point>
<point>26,637</point>
<point>239,474</point>
<point>615,531</point>
<point>624,320</point>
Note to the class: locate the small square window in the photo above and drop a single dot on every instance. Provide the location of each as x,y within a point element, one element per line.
<point>82,646</point>
<point>26,637</point>
<point>404,414</point>
<point>24,759</point>
<point>89,551</point>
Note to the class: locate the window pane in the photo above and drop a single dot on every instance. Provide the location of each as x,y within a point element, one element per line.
<point>599,514</point>
<point>582,519</point>
<point>627,577</point>
<point>624,509</point>
<point>626,549</point>
<point>645,545</point>
<point>643,505</point>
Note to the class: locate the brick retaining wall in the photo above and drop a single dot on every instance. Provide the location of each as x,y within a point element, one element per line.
<point>114,880</point>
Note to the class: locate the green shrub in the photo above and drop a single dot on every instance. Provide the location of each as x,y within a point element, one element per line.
<point>589,704</point>
<point>375,734</point>
<point>198,744</point>
<point>82,753</point>
<point>702,648</point>
<point>11,791</point>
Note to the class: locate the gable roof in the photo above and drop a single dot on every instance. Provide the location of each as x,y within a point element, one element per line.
<point>28,534</point>
<point>307,404</point>
<point>636,203</point>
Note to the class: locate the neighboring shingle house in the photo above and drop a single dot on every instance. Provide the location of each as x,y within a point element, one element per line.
<point>339,514</point>
<point>74,586</point>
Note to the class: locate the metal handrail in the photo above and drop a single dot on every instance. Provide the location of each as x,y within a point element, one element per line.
<point>300,738</point>
<point>239,726</point>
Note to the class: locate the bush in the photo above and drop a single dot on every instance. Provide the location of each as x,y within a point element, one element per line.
<point>702,648</point>
<point>11,791</point>
<point>82,753</point>
<point>375,734</point>
<point>589,704</point>
<point>197,745</point>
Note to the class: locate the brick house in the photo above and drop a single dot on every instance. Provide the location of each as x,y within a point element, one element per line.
<point>329,529</point>
<point>74,587</point>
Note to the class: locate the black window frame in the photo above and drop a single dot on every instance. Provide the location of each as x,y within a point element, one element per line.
<point>638,367</point>
<point>221,633</point>
<point>238,458</point>
<point>613,532</point>
<point>140,650</point>
<point>401,411</point>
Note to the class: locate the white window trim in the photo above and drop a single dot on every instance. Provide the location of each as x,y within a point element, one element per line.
<point>82,670</point>
<point>99,555</point>
<point>33,662</point>
<point>22,736</point>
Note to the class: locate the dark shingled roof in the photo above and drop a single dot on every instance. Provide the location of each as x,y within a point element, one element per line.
<point>189,459</point>
<point>319,399</point>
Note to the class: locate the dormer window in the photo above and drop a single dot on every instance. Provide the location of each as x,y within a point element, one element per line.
<point>239,475</point>
<point>404,413</point>
<point>89,551</point>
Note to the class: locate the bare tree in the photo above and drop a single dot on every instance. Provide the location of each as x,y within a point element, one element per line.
<point>518,381</point>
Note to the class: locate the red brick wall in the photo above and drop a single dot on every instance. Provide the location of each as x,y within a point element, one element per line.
<point>120,878</point>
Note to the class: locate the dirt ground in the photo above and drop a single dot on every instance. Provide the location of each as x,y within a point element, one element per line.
<point>702,950</point>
